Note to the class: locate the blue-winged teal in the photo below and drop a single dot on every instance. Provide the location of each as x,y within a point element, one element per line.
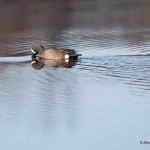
<point>53,53</point>
<point>39,63</point>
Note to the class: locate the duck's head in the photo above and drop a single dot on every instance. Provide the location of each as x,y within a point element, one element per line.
<point>36,48</point>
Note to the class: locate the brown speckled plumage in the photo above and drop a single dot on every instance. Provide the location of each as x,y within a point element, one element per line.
<point>53,53</point>
<point>38,63</point>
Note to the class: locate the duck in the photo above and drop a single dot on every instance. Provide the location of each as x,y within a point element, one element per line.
<point>38,63</point>
<point>53,53</point>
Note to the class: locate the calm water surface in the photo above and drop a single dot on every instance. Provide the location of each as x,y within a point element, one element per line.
<point>100,103</point>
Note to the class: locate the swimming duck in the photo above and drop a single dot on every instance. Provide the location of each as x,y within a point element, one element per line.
<point>38,63</point>
<point>53,53</point>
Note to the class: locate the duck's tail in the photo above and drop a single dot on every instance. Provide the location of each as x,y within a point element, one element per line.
<point>75,56</point>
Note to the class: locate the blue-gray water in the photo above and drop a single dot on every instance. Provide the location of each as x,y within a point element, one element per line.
<point>100,103</point>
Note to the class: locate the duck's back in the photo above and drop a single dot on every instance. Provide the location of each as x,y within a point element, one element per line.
<point>54,53</point>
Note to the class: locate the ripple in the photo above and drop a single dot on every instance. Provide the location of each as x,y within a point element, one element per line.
<point>116,54</point>
<point>107,42</point>
<point>131,70</point>
<point>15,59</point>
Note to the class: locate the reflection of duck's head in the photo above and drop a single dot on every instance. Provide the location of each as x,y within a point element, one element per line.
<point>38,63</point>
<point>54,53</point>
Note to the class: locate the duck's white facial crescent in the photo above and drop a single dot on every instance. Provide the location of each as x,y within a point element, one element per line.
<point>33,51</point>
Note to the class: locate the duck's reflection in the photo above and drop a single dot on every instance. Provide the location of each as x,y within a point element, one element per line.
<point>38,63</point>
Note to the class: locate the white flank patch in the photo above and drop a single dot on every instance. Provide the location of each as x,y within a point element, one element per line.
<point>66,56</point>
<point>66,60</point>
<point>33,51</point>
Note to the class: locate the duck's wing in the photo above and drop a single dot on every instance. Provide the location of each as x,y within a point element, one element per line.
<point>65,50</point>
<point>70,52</point>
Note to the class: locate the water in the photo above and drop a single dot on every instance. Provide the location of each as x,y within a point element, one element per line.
<point>102,102</point>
